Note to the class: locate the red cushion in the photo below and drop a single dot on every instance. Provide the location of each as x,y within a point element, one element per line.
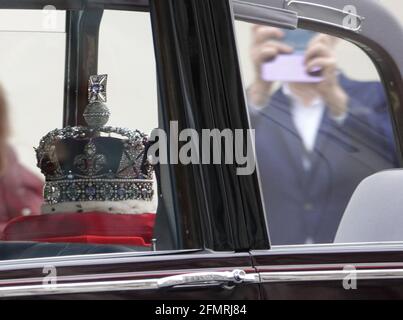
<point>91,227</point>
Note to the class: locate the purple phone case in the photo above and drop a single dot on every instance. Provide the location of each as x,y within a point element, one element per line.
<point>288,68</point>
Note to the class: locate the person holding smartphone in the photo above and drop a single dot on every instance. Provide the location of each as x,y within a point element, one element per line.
<point>317,136</point>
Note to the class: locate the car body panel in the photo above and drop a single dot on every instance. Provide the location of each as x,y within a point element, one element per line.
<point>326,272</point>
<point>197,59</point>
<point>125,276</point>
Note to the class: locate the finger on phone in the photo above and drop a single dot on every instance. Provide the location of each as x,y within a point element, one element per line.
<point>267,54</point>
<point>322,38</point>
<point>269,51</point>
<point>263,34</point>
<point>322,64</point>
<point>281,47</point>
<point>317,50</point>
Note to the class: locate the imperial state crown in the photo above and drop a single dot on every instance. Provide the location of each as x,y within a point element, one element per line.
<point>86,166</point>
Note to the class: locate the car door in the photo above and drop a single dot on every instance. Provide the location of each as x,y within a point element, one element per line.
<point>206,214</point>
<point>366,264</point>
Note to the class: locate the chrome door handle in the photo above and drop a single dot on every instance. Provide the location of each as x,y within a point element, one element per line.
<point>233,277</point>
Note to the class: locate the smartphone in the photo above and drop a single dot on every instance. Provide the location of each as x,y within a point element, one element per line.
<point>291,67</point>
<point>298,39</point>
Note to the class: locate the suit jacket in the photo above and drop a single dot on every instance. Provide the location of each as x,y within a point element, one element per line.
<point>303,204</point>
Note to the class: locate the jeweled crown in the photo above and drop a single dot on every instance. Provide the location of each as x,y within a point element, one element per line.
<point>95,162</point>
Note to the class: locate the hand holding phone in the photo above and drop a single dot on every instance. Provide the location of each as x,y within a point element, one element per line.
<point>266,46</point>
<point>291,67</point>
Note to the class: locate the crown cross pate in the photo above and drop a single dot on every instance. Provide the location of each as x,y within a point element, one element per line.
<point>97,88</point>
<point>96,113</point>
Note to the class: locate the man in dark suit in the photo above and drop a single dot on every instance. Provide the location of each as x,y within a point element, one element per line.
<point>315,142</point>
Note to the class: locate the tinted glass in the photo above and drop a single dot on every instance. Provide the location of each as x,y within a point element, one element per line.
<point>322,126</point>
<point>94,190</point>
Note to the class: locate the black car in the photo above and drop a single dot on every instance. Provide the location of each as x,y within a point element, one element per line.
<point>211,236</point>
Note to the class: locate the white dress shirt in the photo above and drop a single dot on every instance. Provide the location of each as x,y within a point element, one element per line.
<point>307,120</point>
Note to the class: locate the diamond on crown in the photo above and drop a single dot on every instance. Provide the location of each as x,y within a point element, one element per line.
<point>97,88</point>
<point>76,171</point>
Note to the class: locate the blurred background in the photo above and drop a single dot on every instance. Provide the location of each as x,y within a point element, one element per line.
<point>352,60</point>
<point>32,58</point>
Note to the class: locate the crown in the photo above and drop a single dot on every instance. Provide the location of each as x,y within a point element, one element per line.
<point>95,162</point>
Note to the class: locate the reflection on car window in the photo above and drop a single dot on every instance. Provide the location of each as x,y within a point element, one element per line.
<point>322,126</point>
<point>90,186</point>
<point>25,68</point>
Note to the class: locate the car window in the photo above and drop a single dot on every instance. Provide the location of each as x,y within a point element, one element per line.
<point>92,188</point>
<point>126,53</point>
<point>322,125</point>
<point>25,67</point>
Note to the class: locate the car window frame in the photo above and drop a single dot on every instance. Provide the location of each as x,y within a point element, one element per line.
<point>239,241</point>
<point>370,39</point>
<point>83,21</point>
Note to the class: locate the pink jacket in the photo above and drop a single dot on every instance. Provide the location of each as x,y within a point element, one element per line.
<point>20,191</point>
